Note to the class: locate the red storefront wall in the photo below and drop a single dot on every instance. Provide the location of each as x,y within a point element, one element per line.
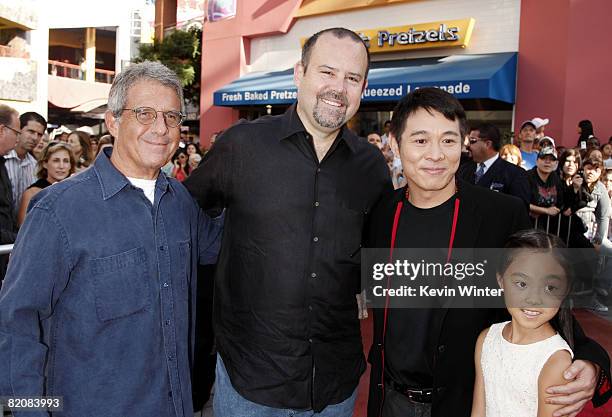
<point>565,66</point>
<point>224,41</point>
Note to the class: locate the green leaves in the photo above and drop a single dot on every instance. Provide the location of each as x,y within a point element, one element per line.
<point>181,51</point>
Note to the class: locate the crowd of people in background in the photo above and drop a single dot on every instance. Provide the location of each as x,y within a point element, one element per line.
<point>187,158</point>
<point>33,157</point>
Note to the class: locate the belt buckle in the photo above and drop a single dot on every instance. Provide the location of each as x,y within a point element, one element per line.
<point>423,396</point>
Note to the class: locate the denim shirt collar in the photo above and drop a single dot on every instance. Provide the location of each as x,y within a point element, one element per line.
<point>112,181</point>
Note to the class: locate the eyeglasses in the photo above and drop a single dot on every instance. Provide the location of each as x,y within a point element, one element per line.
<point>148,115</point>
<point>473,140</point>
<point>17,132</point>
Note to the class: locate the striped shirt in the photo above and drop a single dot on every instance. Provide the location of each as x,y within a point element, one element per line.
<point>21,172</point>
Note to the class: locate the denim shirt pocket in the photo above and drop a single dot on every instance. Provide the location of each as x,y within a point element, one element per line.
<point>121,286</point>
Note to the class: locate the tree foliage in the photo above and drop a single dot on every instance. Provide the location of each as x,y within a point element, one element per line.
<point>181,51</point>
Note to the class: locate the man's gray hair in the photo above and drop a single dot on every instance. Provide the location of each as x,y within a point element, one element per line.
<point>144,71</point>
<point>6,114</point>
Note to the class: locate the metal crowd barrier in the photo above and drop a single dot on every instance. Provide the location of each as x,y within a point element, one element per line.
<point>558,234</point>
<point>6,249</point>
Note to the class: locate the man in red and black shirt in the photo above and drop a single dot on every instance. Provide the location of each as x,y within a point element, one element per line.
<point>423,359</point>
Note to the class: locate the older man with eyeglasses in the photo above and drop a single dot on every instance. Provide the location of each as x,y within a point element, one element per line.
<point>99,315</point>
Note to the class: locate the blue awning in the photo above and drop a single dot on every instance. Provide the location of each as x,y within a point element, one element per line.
<point>490,76</point>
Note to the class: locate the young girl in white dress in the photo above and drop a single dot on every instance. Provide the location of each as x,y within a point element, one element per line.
<point>517,360</point>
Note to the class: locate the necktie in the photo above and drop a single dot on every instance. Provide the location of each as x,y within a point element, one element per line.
<point>479,172</point>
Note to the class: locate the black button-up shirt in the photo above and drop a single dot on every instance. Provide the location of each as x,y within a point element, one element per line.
<point>285,310</point>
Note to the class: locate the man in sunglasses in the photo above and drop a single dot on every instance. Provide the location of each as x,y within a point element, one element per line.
<point>9,133</point>
<point>527,135</point>
<point>99,315</point>
<point>488,170</point>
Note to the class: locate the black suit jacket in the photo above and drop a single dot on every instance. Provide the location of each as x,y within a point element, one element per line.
<point>486,219</point>
<point>502,176</point>
<point>8,218</point>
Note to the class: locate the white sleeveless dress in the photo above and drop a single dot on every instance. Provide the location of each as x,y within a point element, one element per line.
<point>511,372</point>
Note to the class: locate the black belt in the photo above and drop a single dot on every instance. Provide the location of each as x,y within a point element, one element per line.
<point>417,395</point>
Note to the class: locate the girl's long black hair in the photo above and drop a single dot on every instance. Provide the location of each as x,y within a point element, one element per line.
<point>539,240</point>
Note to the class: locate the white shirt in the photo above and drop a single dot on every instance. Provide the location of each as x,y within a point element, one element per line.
<point>21,172</point>
<point>488,163</point>
<point>147,186</point>
<point>384,139</point>
<point>511,372</point>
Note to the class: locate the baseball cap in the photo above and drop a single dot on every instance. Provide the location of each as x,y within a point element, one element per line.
<point>86,129</point>
<point>547,151</point>
<point>527,122</point>
<point>538,122</point>
<point>59,131</point>
<point>547,138</point>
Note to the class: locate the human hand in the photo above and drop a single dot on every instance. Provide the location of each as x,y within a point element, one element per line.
<point>567,212</point>
<point>552,211</point>
<point>577,182</point>
<point>362,306</point>
<point>582,377</point>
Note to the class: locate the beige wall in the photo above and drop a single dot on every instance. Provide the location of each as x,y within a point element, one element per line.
<point>496,29</point>
<point>23,82</point>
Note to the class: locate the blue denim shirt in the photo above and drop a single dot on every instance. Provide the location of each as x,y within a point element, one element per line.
<point>99,297</point>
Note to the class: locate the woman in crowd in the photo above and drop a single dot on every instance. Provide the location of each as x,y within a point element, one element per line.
<point>593,152</point>
<point>57,163</point>
<point>607,179</point>
<point>81,148</point>
<point>604,284</point>
<point>596,219</point>
<point>571,179</point>
<point>194,161</point>
<point>596,213</point>
<point>40,146</point>
<point>192,148</point>
<point>106,141</point>
<point>571,229</point>
<point>606,152</point>
<point>512,154</point>
<point>181,165</point>
<point>94,145</point>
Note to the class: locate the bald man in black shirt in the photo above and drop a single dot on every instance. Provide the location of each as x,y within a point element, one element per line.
<point>298,189</point>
